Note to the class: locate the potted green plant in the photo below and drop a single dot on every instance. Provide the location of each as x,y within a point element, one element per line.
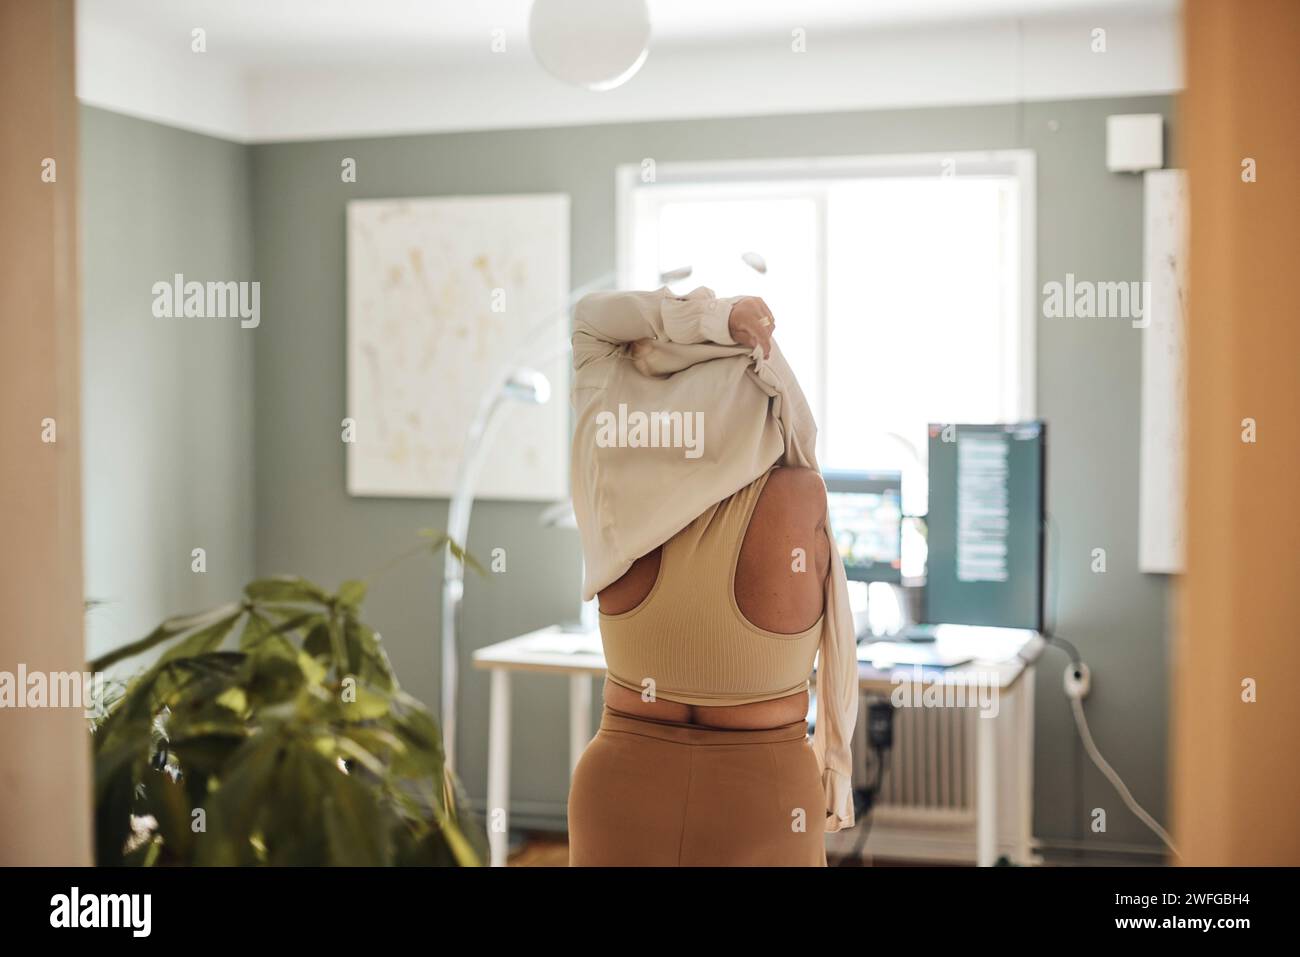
<point>273,731</point>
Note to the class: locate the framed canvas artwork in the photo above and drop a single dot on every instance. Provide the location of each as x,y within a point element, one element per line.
<point>443,297</point>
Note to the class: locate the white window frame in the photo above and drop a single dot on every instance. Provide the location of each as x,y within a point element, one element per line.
<point>1019,164</point>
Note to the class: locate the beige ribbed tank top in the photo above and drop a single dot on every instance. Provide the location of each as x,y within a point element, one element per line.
<point>687,641</point>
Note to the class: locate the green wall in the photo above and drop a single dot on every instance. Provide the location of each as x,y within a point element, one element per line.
<point>1089,223</point>
<point>167,404</point>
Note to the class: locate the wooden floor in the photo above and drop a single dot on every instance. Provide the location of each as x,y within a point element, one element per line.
<point>549,849</point>
<point>541,849</point>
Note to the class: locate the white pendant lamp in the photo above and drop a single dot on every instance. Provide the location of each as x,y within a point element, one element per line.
<point>596,44</point>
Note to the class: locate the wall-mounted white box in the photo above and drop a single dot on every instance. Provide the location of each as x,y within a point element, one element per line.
<point>1135,142</point>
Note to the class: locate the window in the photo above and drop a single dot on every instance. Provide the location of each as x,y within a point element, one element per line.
<point>902,286</point>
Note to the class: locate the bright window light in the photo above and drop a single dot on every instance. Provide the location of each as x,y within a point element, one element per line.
<point>898,291</point>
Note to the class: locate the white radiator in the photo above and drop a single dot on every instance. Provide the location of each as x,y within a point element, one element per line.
<point>926,807</point>
<point>930,777</point>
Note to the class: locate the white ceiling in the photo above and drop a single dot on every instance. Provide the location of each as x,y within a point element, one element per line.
<point>295,69</point>
<point>260,34</point>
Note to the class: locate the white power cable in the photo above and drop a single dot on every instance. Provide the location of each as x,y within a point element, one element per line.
<point>1076,704</point>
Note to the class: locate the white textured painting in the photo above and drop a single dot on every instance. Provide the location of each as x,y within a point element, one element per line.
<point>442,294</point>
<point>1164,429</point>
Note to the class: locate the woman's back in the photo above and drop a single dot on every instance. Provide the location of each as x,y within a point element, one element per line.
<point>728,611</point>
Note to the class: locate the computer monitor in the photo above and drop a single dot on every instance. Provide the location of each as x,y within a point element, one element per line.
<point>867,523</point>
<point>985,527</point>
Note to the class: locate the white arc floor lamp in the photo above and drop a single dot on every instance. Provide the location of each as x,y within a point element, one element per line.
<point>516,384</point>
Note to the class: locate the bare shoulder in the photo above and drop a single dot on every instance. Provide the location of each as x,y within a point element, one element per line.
<point>798,492</point>
<point>788,520</point>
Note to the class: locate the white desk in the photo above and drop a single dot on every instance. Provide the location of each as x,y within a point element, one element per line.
<point>1007,657</point>
<point>550,650</point>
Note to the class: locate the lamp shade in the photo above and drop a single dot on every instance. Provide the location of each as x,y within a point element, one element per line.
<point>597,44</point>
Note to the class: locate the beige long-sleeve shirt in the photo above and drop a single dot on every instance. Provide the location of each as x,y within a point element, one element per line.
<point>639,476</point>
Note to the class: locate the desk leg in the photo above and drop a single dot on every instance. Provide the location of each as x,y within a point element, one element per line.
<point>498,784</point>
<point>579,717</point>
<point>986,789</point>
<point>1025,766</point>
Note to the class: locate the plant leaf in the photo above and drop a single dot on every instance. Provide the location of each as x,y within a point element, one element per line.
<point>368,704</point>
<point>256,737</point>
<point>438,539</point>
<point>168,629</point>
<point>204,640</point>
<point>256,630</point>
<point>352,592</point>
<point>366,657</point>
<point>287,588</point>
<point>234,699</point>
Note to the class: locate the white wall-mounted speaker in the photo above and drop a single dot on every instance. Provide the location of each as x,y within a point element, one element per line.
<point>1135,142</point>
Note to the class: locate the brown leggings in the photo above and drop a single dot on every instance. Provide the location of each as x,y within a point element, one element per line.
<point>656,794</point>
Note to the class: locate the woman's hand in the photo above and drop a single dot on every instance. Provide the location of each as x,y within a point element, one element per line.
<point>752,324</point>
